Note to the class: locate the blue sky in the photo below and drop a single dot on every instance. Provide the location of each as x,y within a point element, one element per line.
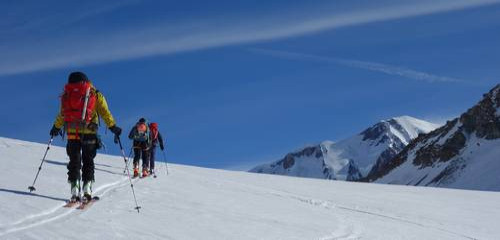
<point>237,83</point>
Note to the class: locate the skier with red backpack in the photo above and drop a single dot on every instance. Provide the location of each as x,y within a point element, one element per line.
<point>81,107</point>
<point>140,134</point>
<point>156,139</point>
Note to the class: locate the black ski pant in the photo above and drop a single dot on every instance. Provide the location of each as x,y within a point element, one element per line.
<point>81,151</point>
<point>141,150</point>
<point>152,154</point>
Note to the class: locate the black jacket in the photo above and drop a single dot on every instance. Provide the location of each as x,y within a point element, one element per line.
<point>158,140</point>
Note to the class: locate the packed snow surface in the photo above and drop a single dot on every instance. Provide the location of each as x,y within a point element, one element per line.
<point>198,203</point>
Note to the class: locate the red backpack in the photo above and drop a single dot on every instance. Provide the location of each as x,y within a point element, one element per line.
<point>78,103</point>
<point>154,131</point>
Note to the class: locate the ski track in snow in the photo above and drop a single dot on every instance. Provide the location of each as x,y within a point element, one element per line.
<point>55,213</point>
<point>406,221</point>
<point>342,216</point>
<point>343,233</point>
<point>346,230</point>
<point>330,205</point>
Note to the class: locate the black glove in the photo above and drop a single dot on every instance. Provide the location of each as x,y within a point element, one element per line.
<point>162,148</point>
<point>116,130</point>
<point>55,131</point>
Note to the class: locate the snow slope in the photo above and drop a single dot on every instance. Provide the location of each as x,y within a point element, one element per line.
<point>352,158</point>
<point>198,203</point>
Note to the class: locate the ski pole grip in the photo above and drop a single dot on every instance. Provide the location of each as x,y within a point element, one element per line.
<point>117,138</point>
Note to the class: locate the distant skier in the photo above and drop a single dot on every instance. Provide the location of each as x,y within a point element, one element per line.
<point>81,107</point>
<point>156,139</point>
<point>140,134</point>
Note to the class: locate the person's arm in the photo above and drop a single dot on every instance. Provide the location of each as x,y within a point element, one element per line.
<point>132,133</point>
<point>59,122</point>
<point>160,139</point>
<point>103,110</point>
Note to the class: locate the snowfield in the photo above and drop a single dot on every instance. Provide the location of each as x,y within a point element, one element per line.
<point>199,203</point>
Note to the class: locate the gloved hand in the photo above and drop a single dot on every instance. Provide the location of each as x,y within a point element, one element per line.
<point>55,131</point>
<point>116,130</point>
<point>161,147</point>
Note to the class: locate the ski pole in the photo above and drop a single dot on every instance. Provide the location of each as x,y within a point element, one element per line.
<point>128,162</point>
<point>165,159</point>
<point>117,138</point>
<point>32,187</point>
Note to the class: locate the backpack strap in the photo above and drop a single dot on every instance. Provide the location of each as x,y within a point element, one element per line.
<point>97,100</point>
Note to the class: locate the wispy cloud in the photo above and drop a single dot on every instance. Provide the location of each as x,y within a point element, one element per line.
<point>68,50</point>
<point>371,66</point>
<point>396,70</point>
<point>58,19</point>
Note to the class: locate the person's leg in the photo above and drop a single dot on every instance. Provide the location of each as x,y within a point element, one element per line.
<point>152,153</point>
<point>73,148</point>
<point>145,160</point>
<point>137,156</point>
<point>89,151</point>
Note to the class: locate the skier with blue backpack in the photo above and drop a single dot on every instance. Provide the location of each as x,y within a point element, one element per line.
<point>140,134</point>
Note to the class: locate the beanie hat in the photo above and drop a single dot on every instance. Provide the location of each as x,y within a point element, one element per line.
<point>142,120</point>
<point>75,77</point>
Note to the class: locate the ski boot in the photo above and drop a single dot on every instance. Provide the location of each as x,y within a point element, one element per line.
<point>75,191</point>
<point>136,172</point>
<point>87,191</point>
<point>145,172</point>
<point>151,171</point>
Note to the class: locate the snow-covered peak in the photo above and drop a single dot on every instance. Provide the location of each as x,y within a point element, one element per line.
<point>351,158</point>
<point>414,126</point>
<point>405,128</point>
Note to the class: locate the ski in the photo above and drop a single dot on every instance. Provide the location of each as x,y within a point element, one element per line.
<point>86,204</point>
<point>70,204</point>
<point>142,176</point>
